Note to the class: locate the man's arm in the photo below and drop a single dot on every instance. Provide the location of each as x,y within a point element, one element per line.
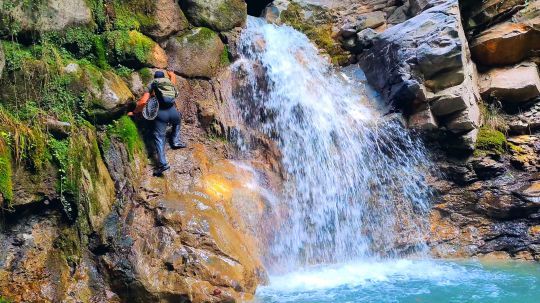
<point>140,104</point>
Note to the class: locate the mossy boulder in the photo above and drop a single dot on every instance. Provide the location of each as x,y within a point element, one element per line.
<point>34,17</point>
<point>197,53</point>
<point>168,19</point>
<point>219,15</point>
<point>490,141</point>
<point>133,49</point>
<point>112,99</point>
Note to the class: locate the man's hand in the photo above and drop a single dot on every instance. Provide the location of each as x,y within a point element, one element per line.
<point>130,114</point>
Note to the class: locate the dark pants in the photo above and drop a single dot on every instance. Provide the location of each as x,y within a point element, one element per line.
<point>163,119</point>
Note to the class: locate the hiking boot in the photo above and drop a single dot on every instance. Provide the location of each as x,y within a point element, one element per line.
<point>178,145</point>
<point>158,172</point>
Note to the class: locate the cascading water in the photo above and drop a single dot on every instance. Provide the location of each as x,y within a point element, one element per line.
<point>354,192</point>
<point>354,183</point>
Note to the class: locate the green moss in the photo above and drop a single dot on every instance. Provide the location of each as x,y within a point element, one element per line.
<point>77,40</point>
<point>101,54</point>
<point>123,71</point>
<point>126,130</point>
<point>25,141</point>
<point>15,55</point>
<point>133,14</point>
<point>6,185</point>
<point>224,58</point>
<point>129,47</point>
<point>4,300</point>
<point>98,12</point>
<point>515,148</point>
<point>490,141</point>
<point>199,36</point>
<point>146,75</point>
<point>320,34</point>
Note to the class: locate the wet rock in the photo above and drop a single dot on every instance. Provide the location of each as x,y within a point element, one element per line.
<point>423,120</point>
<point>449,101</point>
<point>525,152</point>
<point>399,15</point>
<point>168,19</point>
<point>57,128</point>
<point>196,53</point>
<point>370,20</point>
<point>531,193</point>
<point>526,121</point>
<point>365,38</point>
<point>487,168</point>
<point>516,84</point>
<point>505,43</point>
<point>418,6</point>
<point>462,143</point>
<point>481,13</point>
<point>530,15</point>
<point>464,121</point>
<point>195,239</point>
<point>220,15</point>
<point>38,17</point>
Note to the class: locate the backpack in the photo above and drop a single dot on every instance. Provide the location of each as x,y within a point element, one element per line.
<point>151,109</point>
<point>165,92</point>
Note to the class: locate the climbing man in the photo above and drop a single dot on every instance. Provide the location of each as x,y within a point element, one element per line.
<point>164,90</point>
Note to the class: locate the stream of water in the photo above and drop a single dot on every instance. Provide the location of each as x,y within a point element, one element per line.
<point>355,200</point>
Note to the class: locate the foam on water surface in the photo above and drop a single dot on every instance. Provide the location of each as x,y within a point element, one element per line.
<point>408,281</point>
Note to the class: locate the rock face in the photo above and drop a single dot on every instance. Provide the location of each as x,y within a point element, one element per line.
<point>505,43</point>
<point>168,20</point>
<point>423,65</point>
<point>197,53</point>
<point>517,84</point>
<point>34,17</point>
<point>221,15</point>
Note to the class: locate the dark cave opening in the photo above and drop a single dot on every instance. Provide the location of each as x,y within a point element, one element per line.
<point>256,7</point>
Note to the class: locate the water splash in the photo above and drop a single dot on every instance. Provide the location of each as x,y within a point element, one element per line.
<point>354,181</point>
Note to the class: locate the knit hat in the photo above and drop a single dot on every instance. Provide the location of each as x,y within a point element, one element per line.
<point>159,74</point>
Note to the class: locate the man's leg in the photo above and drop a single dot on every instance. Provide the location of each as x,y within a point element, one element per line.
<point>160,128</point>
<point>176,137</point>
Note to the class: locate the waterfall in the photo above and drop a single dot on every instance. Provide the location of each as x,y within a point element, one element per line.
<point>354,183</point>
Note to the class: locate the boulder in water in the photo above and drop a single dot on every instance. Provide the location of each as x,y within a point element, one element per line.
<point>219,15</point>
<point>197,53</point>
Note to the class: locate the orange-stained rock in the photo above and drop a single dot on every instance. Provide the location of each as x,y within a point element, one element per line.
<point>504,44</point>
<point>157,57</point>
<point>190,235</point>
